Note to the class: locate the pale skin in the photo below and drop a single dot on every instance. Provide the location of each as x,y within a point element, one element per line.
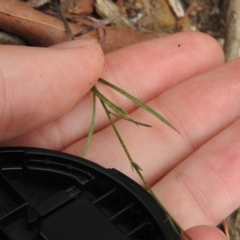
<point>45,102</point>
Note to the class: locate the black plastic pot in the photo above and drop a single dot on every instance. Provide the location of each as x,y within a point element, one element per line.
<point>56,196</point>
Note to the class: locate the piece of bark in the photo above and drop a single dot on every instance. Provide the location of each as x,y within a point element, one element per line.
<point>81,7</point>
<point>107,8</point>
<point>39,29</point>
<point>177,8</point>
<point>37,3</point>
<point>232,39</point>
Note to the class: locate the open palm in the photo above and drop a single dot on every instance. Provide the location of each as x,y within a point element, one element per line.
<point>45,102</point>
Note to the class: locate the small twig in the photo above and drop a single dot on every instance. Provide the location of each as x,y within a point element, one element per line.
<point>64,20</point>
<point>226,229</point>
<point>96,25</point>
<point>86,30</point>
<point>232,38</point>
<point>188,11</point>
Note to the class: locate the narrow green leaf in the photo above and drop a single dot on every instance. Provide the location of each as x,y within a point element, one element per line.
<point>136,166</point>
<point>90,132</point>
<point>138,102</point>
<point>114,107</point>
<point>131,120</point>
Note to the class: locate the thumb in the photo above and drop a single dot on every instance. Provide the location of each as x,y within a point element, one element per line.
<point>38,85</point>
<point>203,233</point>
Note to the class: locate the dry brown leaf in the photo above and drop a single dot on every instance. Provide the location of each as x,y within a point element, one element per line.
<point>39,29</point>
<point>36,28</point>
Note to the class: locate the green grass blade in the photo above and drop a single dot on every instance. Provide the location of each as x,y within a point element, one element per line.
<point>138,102</point>
<point>131,120</point>
<point>114,107</point>
<point>90,132</point>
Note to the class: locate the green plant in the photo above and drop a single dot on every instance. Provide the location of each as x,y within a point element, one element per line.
<point>121,113</point>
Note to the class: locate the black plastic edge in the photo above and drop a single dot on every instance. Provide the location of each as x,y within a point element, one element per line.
<point>144,197</point>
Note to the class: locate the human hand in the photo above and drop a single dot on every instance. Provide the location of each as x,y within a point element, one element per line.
<point>194,174</point>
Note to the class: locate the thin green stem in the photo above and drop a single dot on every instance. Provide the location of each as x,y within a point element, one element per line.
<point>90,132</point>
<point>138,170</point>
<point>173,223</point>
<point>117,133</point>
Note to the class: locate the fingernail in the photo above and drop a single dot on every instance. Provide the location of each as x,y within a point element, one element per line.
<point>76,43</point>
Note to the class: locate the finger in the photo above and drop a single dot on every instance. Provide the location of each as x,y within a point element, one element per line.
<point>149,68</point>
<point>39,85</point>
<point>204,233</point>
<point>205,186</point>
<point>199,108</point>
<point>145,70</point>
